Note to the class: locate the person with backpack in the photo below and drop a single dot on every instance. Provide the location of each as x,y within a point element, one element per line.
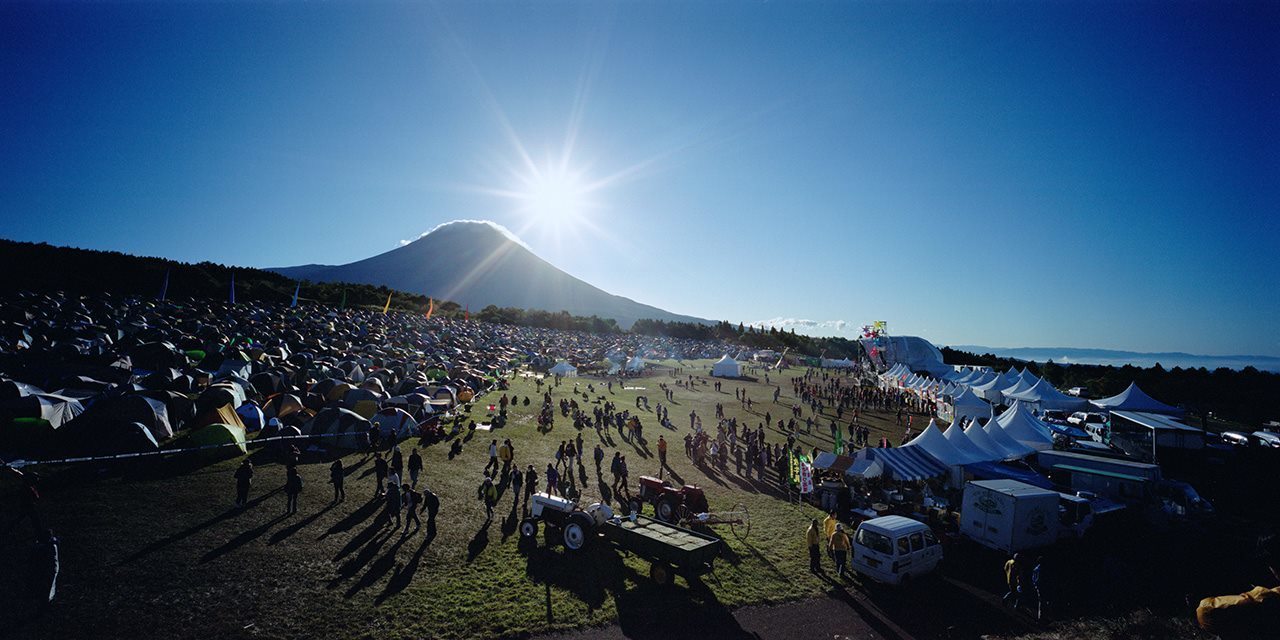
<point>430,504</point>
<point>394,503</point>
<point>292,489</point>
<point>599,457</point>
<point>493,457</point>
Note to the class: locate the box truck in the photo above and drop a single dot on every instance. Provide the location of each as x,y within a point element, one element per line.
<point>1008,515</point>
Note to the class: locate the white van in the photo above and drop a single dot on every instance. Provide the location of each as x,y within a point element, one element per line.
<point>894,549</point>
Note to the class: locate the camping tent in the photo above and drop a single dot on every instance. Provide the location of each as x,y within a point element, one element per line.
<point>564,370</point>
<point>340,428</point>
<point>228,440</point>
<point>1135,399</point>
<point>939,447</point>
<point>969,405</point>
<point>1045,397</point>
<point>395,423</point>
<point>1019,424</point>
<point>726,368</point>
<point>959,438</point>
<point>1011,446</point>
<point>990,390</point>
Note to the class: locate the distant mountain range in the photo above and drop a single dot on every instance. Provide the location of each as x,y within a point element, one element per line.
<point>478,264</point>
<point>1168,360</point>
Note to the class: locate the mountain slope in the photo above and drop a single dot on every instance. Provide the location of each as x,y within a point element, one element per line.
<point>477,264</point>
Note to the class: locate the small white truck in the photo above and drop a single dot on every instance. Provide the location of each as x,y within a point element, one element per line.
<point>1009,516</point>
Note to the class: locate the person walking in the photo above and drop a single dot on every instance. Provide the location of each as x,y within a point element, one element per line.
<point>493,457</point>
<point>615,468</point>
<point>337,477</point>
<point>553,480</point>
<point>622,466</point>
<point>517,479</point>
<point>488,493</point>
<point>662,452</point>
<point>45,566</point>
<point>839,546</point>
<point>380,473</point>
<point>506,453</point>
<point>813,536</point>
<point>411,500</point>
<point>599,457</point>
<point>292,488</point>
<point>244,480</point>
<point>530,482</point>
<point>430,504</point>
<point>415,467</point>
<point>394,503</point>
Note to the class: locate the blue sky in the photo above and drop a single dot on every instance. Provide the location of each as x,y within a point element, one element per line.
<point>1010,174</point>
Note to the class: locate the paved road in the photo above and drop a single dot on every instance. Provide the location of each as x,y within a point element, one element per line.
<point>947,611</point>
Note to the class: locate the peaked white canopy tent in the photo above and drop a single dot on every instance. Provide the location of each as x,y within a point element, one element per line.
<point>726,367</point>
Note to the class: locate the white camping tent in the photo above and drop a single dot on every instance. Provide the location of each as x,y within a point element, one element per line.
<point>564,369</point>
<point>937,445</point>
<point>726,368</point>
<point>1007,442</point>
<point>1044,397</point>
<point>1019,424</point>
<point>959,438</point>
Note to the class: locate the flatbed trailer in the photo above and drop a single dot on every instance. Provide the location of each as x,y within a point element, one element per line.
<point>668,548</point>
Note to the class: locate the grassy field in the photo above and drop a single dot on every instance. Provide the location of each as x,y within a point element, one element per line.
<point>159,552</point>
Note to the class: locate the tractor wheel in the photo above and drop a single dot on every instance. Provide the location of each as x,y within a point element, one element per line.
<point>636,506</point>
<point>660,574</point>
<point>529,528</point>
<point>577,531</point>
<point>666,510</point>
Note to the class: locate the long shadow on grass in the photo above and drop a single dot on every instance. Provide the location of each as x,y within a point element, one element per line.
<point>372,538</point>
<point>355,518</point>
<point>297,526</point>
<point>404,575</point>
<point>478,543</point>
<point>379,568</point>
<point>189,531</point>
<point>241,540</point>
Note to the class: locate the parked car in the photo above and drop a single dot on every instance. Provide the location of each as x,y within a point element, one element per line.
<point>894,550</point>
<point>1268,439</point>
<point>1083,419</point>
<point>1054,416</point>
<point>1234,438</point>
<point>1079,392</point>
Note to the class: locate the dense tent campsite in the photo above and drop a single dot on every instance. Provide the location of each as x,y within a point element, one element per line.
<point>373,458</point>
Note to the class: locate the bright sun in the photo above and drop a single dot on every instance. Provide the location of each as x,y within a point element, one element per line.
<point>556,196</point>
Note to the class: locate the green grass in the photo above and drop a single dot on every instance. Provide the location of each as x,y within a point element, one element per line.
<point>160,553</point>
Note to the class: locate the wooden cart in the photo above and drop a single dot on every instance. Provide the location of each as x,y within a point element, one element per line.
<point>670,549</point>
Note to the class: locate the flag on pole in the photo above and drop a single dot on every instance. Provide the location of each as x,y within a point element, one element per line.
<point>386,306</point>
<point>295,295</point>
<point>233,287</point>
<point>839,441</point>
<point>343,304</point>
<point>431,307</point>
<point>164,286</point>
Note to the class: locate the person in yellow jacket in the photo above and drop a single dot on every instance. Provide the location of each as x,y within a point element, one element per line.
<point>829,526</point>
<point>839,546</point>
<point>813,536</point>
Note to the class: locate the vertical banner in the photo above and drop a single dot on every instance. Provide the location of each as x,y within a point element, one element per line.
<point>431,307</point>
<point>233,287</point>
<point>295,295</point>
<point>386,306</point>
<point>806,478</point>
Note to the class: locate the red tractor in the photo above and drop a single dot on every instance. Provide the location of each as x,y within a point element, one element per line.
<point>670,504</point>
